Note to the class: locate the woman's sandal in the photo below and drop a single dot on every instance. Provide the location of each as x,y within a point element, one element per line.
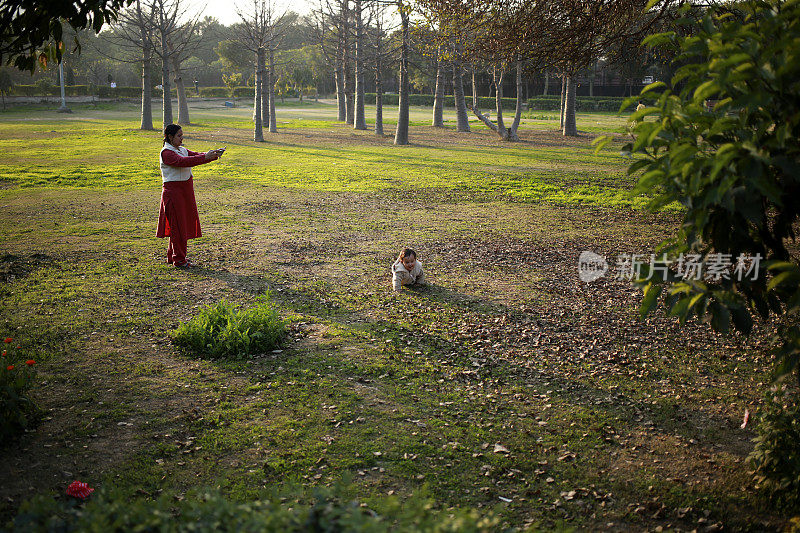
<point>186,264</point>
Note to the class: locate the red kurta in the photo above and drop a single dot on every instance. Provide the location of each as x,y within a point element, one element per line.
<point>178,218</point>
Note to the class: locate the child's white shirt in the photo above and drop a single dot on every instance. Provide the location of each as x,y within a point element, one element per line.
<point>402,276</point>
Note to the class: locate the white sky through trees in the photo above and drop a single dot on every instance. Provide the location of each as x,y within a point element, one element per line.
<point>225,10</point>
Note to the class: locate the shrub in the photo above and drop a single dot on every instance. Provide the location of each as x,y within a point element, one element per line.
<point>732,165</point>
<point>223,331</point>
<point>214,92</point>
<point>324,510</point>
<point>776,456</point>
<point>582,103</point>
<point>724,146</point>
<point>17,374</point>
<point>244,92</point>
<point>44,88</point>
<point>77,90</point>
<point>23,90</point>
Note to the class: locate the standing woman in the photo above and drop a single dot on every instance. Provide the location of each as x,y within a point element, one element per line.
<point>178,218</point>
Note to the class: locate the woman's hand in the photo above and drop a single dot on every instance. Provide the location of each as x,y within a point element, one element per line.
<point>211,155</point>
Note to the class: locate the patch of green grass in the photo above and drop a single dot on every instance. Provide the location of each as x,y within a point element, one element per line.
<point>77,157</point>
<point>222,331</point>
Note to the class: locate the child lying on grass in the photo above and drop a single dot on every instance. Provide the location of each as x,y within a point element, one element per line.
<point>407,270</point>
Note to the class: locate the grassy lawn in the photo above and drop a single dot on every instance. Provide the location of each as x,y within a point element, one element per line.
<point>507,385</point>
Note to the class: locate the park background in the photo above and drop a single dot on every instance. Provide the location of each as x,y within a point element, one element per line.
<point>508,394</point>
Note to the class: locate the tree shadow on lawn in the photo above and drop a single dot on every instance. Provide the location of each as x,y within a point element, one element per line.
<point>445,296</point>
<point>251,283</point>
<point>517,366</point>
<point>659,432</point>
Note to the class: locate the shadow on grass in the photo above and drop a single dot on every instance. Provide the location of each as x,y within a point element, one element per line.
<point>322,303</point>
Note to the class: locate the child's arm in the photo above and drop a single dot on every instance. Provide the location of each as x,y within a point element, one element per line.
<point>398,272</point>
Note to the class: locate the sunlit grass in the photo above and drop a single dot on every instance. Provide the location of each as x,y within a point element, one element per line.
<point>103,148</point>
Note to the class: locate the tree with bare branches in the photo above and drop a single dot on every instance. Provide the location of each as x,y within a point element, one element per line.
<point>566,35</point>
<point>252,34</point>
<point>401,133</point>
<point>359,121</point>
<point>328,34</point>
<point>133,34</point>
<point>172,37</point>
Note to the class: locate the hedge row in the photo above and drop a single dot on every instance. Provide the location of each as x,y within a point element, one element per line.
<point>102,91</point>
<point>582,103</point>
<point>485,103</point>
<point>215,92</point>
<point>325,510</point>
<point>538,103</point>
<point>426,100</point>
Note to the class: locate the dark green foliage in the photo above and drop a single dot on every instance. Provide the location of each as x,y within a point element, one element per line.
<point>582,103</point>
<point>18,412</point>
<point>224,331</point>
<point>725,147</point>
<point>325,511</point>
<point>244,92</point>
<point>215,92</point>
<point>27,25</point>
<point>776,457</point>
<point>539,103</point>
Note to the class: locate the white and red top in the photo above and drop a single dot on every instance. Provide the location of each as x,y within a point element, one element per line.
<point>176,163</point>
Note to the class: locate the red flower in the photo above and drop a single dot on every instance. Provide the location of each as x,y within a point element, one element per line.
<point>79,490</point>
<point>8,340</point>
<point>30,362</point>
<point>10,367</point>
<point>4,353</point>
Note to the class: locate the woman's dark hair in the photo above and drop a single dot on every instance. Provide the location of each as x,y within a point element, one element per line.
<point>170,130</point>
<point>407,252</point>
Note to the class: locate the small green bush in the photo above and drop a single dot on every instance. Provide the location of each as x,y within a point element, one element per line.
<point>223,331</point>
<point>244,92</point>
<point>17,374</point>
<point>325,510</point>
<point>582,103</point>
<point>44,87</point>
<point>776,456</point>
<point>215,92</point>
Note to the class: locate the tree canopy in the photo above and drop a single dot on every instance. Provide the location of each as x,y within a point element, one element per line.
<point>31,30</point>
<point>724,145</point>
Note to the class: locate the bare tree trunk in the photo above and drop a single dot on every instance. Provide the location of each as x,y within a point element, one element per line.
<point>360,122</point>
<point>498,100</point>
<point>348,75</point>
<point>166,108</point>
<point>570,128</point>
<point>546,82</point>
<point>183,105</point>
<point>273,126</point>
<point>474,86</point>
<point>147,56</point>
<point>340,97</point>
<point>563,93</point>
<point>258,132</point>
<point>591,78</point>
<point>518,112</point>
<point>264,91</point>
<point>147,97</point>
<point>378,95</point>
<point>462,121</point>
<point>438,96</point>
<point>401,134</point>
